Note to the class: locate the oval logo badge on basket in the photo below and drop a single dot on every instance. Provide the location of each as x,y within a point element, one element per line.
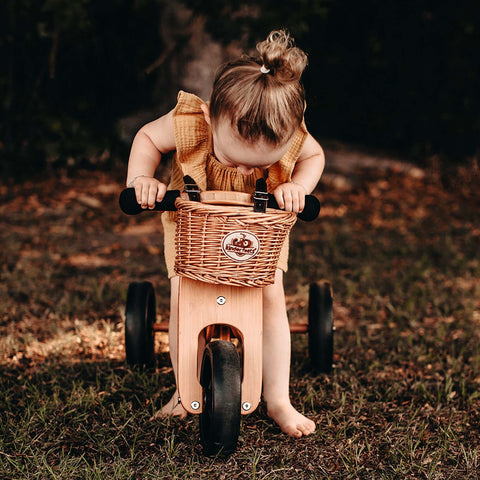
<point>240,245</point>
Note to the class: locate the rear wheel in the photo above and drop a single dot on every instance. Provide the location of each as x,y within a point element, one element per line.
<point>320,326</point>
<point>221,382</point>
<point>140,316</point>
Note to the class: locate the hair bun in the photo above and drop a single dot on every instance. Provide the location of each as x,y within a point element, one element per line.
<point>279,53</point>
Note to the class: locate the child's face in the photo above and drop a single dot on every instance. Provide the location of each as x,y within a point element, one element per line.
<point>232,150</point>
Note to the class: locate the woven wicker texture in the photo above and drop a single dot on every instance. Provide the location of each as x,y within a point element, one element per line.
<point>229,245</point>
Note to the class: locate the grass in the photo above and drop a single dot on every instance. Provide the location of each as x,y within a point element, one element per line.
<point>402,402</point>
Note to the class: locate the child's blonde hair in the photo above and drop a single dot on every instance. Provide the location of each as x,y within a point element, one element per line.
<point>260,105</point>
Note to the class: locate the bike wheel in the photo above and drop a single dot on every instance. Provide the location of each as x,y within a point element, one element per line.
<point>140,314</point>
<point>220,378</point>
<point>320,326</point>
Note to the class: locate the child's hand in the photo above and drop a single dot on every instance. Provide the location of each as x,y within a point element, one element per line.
<point>290,197</point>
<point>148,190</point>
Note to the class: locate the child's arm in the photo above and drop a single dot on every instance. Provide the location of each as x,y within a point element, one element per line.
<point>152,140</point>
<point>305,176</point>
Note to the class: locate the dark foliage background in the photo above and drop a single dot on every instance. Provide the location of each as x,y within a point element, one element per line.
<point>401,76</point>
<point>398,74</point>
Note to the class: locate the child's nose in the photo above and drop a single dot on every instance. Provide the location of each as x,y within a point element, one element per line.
<point>245,170</point>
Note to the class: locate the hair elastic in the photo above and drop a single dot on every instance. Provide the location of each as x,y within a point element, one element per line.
<point>264,69</point>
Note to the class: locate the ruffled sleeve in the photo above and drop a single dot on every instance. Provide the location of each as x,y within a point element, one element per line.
<point>192,137</point>
<point>281,172</point>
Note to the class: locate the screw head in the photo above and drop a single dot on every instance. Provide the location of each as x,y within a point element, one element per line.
<point>221,300</point>
<point>246,406</point>
<point>195,405</point>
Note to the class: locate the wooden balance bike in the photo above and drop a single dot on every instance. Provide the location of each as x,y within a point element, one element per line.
<point>227,248</point>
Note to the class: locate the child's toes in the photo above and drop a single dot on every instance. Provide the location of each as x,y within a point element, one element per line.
<point>293,431</point>
<point>307,428</point>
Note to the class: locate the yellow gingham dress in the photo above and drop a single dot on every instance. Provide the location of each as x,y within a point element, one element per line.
<point>194,156</point>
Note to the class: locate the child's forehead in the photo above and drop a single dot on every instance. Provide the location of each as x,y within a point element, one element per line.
<point>225,131</point>
<point>225,125</point>
<point>231,148</point>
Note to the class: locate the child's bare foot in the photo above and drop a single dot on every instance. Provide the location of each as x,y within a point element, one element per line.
<point>290,420</point>
<point>172,409</point>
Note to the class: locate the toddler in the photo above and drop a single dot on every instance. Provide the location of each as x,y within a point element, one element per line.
<point>251,128</point>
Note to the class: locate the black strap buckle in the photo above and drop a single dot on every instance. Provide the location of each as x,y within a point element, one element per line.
<point>191,188</point>
<point>260,196</point>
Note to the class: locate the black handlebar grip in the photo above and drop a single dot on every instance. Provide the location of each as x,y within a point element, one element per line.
<point>310,211</point>
<point>130,206</point>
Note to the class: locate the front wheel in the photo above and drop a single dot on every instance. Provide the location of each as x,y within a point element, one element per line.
<point>140,316</point>
<point>320,326</point>
<point>221,382</point>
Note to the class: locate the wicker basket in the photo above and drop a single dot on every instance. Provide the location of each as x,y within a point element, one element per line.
<point>230,245</point>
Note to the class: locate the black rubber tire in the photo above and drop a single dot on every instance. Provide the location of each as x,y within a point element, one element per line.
<point>140,315</point>
<point>320,326</point>
<point>221,381</point>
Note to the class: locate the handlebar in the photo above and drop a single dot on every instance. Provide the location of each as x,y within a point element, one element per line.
<point>130,206</point>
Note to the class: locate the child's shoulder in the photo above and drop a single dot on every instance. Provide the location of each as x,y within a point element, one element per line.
<point>192,132</point>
